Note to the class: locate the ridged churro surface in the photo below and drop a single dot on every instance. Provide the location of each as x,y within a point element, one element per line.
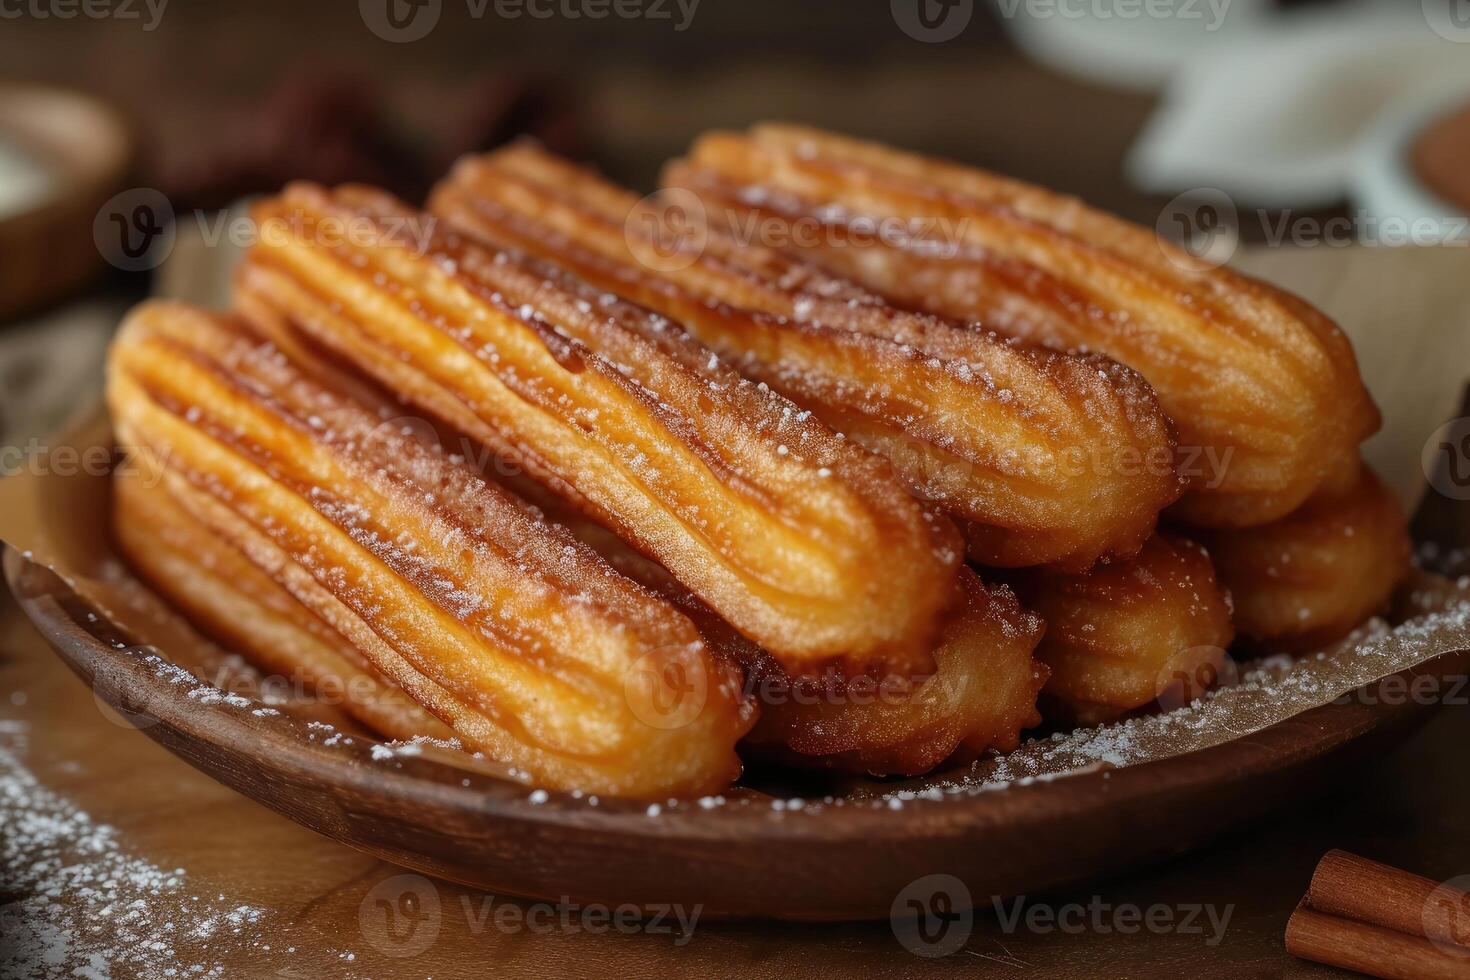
<point>1264,389</point>
<point>980,695</point>
<point>1042,457</point>
<point>523,642</point>
<point>1311,577</point>
<point>1122,635</point>
<point>233,600</point>
<point>803,541</point>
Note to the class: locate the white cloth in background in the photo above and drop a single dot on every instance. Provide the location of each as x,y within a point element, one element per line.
<point>1274,108</point>
<point>1282,118</point>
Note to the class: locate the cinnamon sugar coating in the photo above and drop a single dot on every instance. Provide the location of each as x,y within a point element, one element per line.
<point>1303,581</point>
<point>1122,635</point>
<point>805,542</point>
<point>1041,457</point>
<point>520,640</point>
<point>1261,386</point>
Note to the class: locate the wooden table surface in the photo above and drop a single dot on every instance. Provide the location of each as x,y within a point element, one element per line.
<point>321,899</point>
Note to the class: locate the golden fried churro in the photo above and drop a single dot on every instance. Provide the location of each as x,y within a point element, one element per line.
<point>1043,458</point>
<point>1264,389</point>
<point>233,600</point>
<point>804,542</point>
<point>981,695</point>
<point>1311,577</point>
<point>523,642</point>
<point>1117,637</point>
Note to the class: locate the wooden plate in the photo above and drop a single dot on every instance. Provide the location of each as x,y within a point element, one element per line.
<point>745,858</point>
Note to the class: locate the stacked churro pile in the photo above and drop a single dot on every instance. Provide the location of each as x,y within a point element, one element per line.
<point>826,454</point>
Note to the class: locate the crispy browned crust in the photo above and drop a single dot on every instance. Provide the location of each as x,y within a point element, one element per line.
<point>1308,579</point>
<point>1256,376</point>
<point>520,640</point>
<point>756,507</point>
<point>231,599</point>
<point>1117,637</point>
<point>981,696</point>
<point>1043,458</point>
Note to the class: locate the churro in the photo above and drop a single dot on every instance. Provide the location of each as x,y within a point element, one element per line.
<point>1042,457</point>
<point>1122,635</point>
<point>980,696</point>
<point>803,541</point>
<point>1303,581</point>
<point>232,600</point>
<point>1264,389</point>
<point>519,639</point>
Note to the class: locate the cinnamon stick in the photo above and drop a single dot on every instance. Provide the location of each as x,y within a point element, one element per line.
<point>1370,949</point>
<point>1366,916</point>
<point>1354,887</point>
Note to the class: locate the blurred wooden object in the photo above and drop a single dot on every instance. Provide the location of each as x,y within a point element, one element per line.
<point>86,149</point>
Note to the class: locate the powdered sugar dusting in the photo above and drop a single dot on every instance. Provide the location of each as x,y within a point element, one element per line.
<point>90,909</point>
<point>1274,690</point>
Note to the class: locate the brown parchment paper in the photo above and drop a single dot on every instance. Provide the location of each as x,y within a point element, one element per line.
<point>1407,310</point>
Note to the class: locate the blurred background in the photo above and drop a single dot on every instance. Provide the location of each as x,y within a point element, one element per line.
<point>1197,117</point>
